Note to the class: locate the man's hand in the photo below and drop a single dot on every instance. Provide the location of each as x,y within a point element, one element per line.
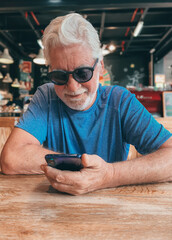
<point>96,174</point>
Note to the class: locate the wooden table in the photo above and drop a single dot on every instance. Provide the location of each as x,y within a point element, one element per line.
<point>6,126</point>
<point>31,209</point>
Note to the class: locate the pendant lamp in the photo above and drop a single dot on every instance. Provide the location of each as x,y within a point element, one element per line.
<point>138,28</point>
<point>7,79</point>
<point>40,58</point>
<point>16,83</point>
<point>6,58</point>
<point>1,76</point>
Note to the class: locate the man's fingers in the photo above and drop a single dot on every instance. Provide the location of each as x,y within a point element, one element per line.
<point>66,188</point>
<point>65,177</point>
<point>71,189</point>
<point>78,182</point>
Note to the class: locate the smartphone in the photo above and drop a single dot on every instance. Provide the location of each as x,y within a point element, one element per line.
<point>71,162</point>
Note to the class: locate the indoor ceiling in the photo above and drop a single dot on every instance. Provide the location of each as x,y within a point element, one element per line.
<point>22,23</point>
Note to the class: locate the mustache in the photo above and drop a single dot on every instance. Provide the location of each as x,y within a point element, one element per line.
<point>79,91</point>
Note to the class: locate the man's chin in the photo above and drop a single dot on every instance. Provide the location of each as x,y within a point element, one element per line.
<point>79,105</point>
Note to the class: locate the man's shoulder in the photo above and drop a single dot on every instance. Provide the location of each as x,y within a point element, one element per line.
<point>47,90</point>
<point>113,92</point>
<point>46,86</point>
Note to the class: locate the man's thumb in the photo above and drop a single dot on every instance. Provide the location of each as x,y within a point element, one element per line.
<point>85,160</point>
<point>88,160</point>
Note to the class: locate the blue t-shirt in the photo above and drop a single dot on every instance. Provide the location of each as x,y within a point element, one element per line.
<point>115,120</point>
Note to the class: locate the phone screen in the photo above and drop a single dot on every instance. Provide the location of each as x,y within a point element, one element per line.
<point>70,162</point>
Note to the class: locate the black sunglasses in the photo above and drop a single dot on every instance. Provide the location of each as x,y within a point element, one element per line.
<point>81,75</point>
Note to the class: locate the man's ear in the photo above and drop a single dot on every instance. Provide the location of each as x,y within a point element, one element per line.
<point>101,67</point>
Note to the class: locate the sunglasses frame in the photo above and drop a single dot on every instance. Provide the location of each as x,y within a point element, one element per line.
<point>72,72</point>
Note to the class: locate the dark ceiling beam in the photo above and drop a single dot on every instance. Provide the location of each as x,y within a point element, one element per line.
<point>146,40</point>
<point>158,25</point>
<point>95,12</point>
<point>8,29</point>
<point>107,26</point>
<point>12,45</point>
<point>163,51</point>
<point>2,44</point>
<point>103,15</point>
<point>158,11</point>
<point>91,13</point>
<point>140,47</point>
<point>138,50</point>
<point>113,26</point>
<point>150,35</point>
<point>141,19</point>
<point>38,35</point>
<point>76,4</point>
<point>164,38</point>
<point>127,39</point>
<point>168,43</point>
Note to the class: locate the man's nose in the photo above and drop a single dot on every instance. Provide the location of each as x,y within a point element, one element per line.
<point>72,84</point>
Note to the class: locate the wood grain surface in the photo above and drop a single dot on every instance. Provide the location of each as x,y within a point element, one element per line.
<point>4,133</point>
<point>30,209</point>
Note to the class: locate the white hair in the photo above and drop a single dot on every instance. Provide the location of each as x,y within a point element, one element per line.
<point>68,30</point>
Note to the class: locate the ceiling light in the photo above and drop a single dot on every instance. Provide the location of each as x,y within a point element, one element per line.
<point>138,28</point>
<point>39,41</point>
<point>4,66</point>
<point>54,1</point>
<point>112,47</point>
<point>32,55</point>
<point>1,76</point>
<point>40,58</point>
<point>7,79</point>
<point>15,83</point>
<point>5,57</point>
<point>152,50</point>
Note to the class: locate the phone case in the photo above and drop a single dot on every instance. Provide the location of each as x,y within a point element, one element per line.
<point>71,162</point>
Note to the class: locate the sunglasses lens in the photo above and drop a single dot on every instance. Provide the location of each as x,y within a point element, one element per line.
<point>83,74</point>
<point>58,77</point>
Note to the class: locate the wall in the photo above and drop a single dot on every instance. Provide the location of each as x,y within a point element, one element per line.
<point>168,67</point>
<point>164,66</point>
<point>130,69</point>
<point>40,75</point>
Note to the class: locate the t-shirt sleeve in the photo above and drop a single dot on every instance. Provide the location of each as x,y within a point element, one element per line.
<point>34,120</point>
<point>139,127</point>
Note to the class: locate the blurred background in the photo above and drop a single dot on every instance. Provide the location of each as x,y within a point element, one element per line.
<point>136,41</point>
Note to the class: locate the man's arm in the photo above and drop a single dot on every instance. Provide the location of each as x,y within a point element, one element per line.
<point>97,174</point>
<point>154,167</point>
<point>22,154</point>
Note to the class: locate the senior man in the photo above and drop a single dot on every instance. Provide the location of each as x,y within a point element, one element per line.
<point>75,114</point>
